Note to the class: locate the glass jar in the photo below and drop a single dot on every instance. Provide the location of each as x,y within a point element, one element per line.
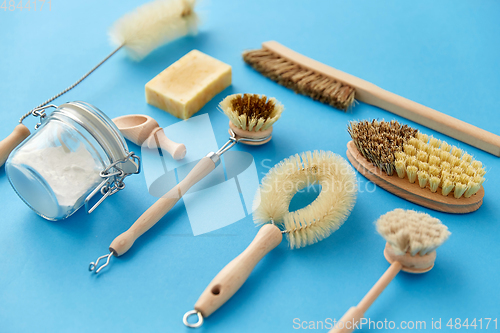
<point>76,153</point>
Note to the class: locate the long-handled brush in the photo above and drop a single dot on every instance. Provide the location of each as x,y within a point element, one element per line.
<point>303,227</point>
<point>251,122</point>
<point>331,86</point>
<point>412,239</point>
<point>139,33</point>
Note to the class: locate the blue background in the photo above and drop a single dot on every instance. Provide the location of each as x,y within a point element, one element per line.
<point>442,54</point>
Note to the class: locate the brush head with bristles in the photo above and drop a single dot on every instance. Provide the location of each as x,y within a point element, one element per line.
<point>423,160</point>
<point>325,214</point>
<point>251,116</point>
<point>301,80</point>
<point>154,24</point>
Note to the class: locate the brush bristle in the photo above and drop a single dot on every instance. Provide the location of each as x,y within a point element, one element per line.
<point>408,231</point>
<point>251,112</point>
<point>154,24</point>
<point>421,159</point>
<point>378,142</point>
<point>323,216</point>
<point>301,80</point>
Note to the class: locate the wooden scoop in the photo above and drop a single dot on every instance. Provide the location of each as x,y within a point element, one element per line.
<point>8,144</point>
<point>142,129</point>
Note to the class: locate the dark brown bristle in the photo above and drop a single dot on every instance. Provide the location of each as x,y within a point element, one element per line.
<point>379,141</point>
<point>253,105</point>
<point>301,80</point>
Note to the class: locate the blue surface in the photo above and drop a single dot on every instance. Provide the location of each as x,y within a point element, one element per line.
<point>442,54</point>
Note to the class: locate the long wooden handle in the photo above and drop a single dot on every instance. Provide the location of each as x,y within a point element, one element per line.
<point>369,93</point>
<point>232,277</point>
<point>177,150</point>
<point>162,206</point>
<point>350,320</point>
<point>8,144</point>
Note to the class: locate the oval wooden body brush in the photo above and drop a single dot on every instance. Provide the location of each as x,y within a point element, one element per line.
<point>340,90</point>
<point>416,167</point>
<point>251,119</point>
<point>141,129</point>
<point>412,239</point>
<point>302,227</point>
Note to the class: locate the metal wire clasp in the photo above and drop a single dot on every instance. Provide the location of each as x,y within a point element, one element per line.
<point>39,112</point>
<point>113,177</point>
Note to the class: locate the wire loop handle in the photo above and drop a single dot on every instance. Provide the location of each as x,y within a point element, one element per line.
<point>190,313</point>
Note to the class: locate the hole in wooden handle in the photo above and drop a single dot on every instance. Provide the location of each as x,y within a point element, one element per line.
<point>216,290</point>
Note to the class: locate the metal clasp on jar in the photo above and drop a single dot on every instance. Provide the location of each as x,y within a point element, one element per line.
<point>113,176</point>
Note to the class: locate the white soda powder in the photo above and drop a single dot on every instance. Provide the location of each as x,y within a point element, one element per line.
<point>69,173</point>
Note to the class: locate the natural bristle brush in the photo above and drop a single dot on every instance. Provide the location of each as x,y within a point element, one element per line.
<point>416,167</point>
<point>412,239</point>
<point>340,90</point>
<point>303,227</point>
<point>251,119</point>
<point>139,33</point>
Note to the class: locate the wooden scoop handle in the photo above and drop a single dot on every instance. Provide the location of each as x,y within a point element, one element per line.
<point>8,144</point>
<point>232,277</point>
<point>159,139</point>
<point>350,320</point>
<point>162,206</point>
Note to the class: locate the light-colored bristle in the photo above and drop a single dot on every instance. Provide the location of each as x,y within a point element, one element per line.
<point>422,157</point>
<point>400,168</point>
<point>251,112</point>
<point>412,232</point>
<point>154,24</point>
<point>325,214</point>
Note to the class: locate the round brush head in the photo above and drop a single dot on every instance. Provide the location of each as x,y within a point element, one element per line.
<point>325,214</point>
<point>412,238</point>
<point>251,116</point>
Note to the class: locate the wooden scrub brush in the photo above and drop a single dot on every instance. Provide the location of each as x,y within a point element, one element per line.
<point>416,167</point>
<point>251,122</point>
<point>302,227</point>
<point>340,90</point>
<point>139,33</point>
<point>412,239</point>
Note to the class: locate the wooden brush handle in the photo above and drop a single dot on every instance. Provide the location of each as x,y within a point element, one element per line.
<point>177,150</point>
<point>352,317</point>
<point>232,277</point>
<point>8,144</point>
<point>371,94</point>
<point>162,206</point>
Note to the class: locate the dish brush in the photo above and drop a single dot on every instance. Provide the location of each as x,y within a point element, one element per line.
<point>411,242</point>
<point>303,227</point>
<point>415,166</point>
<point>139,33</point>
<point>340,90</point>
<point>251,122</point>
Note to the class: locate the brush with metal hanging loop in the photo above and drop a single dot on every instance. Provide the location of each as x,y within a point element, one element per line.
<point>139,33</point>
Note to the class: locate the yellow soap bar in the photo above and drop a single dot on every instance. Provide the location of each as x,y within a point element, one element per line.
<point>188,84</point>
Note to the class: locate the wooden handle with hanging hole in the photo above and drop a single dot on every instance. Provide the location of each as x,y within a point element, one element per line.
<point>162,206</point>
<point>371,94</point>
<point>232,277</point>
<point>8,144</point>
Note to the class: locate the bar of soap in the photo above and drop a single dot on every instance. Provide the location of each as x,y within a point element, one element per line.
<point>188,84</point>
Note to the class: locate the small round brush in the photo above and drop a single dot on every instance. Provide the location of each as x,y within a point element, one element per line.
<point>411,242</point>
<point>251,122</point>
<point>303,227</point>
<point>429,172</point>
<point>139,33</point>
